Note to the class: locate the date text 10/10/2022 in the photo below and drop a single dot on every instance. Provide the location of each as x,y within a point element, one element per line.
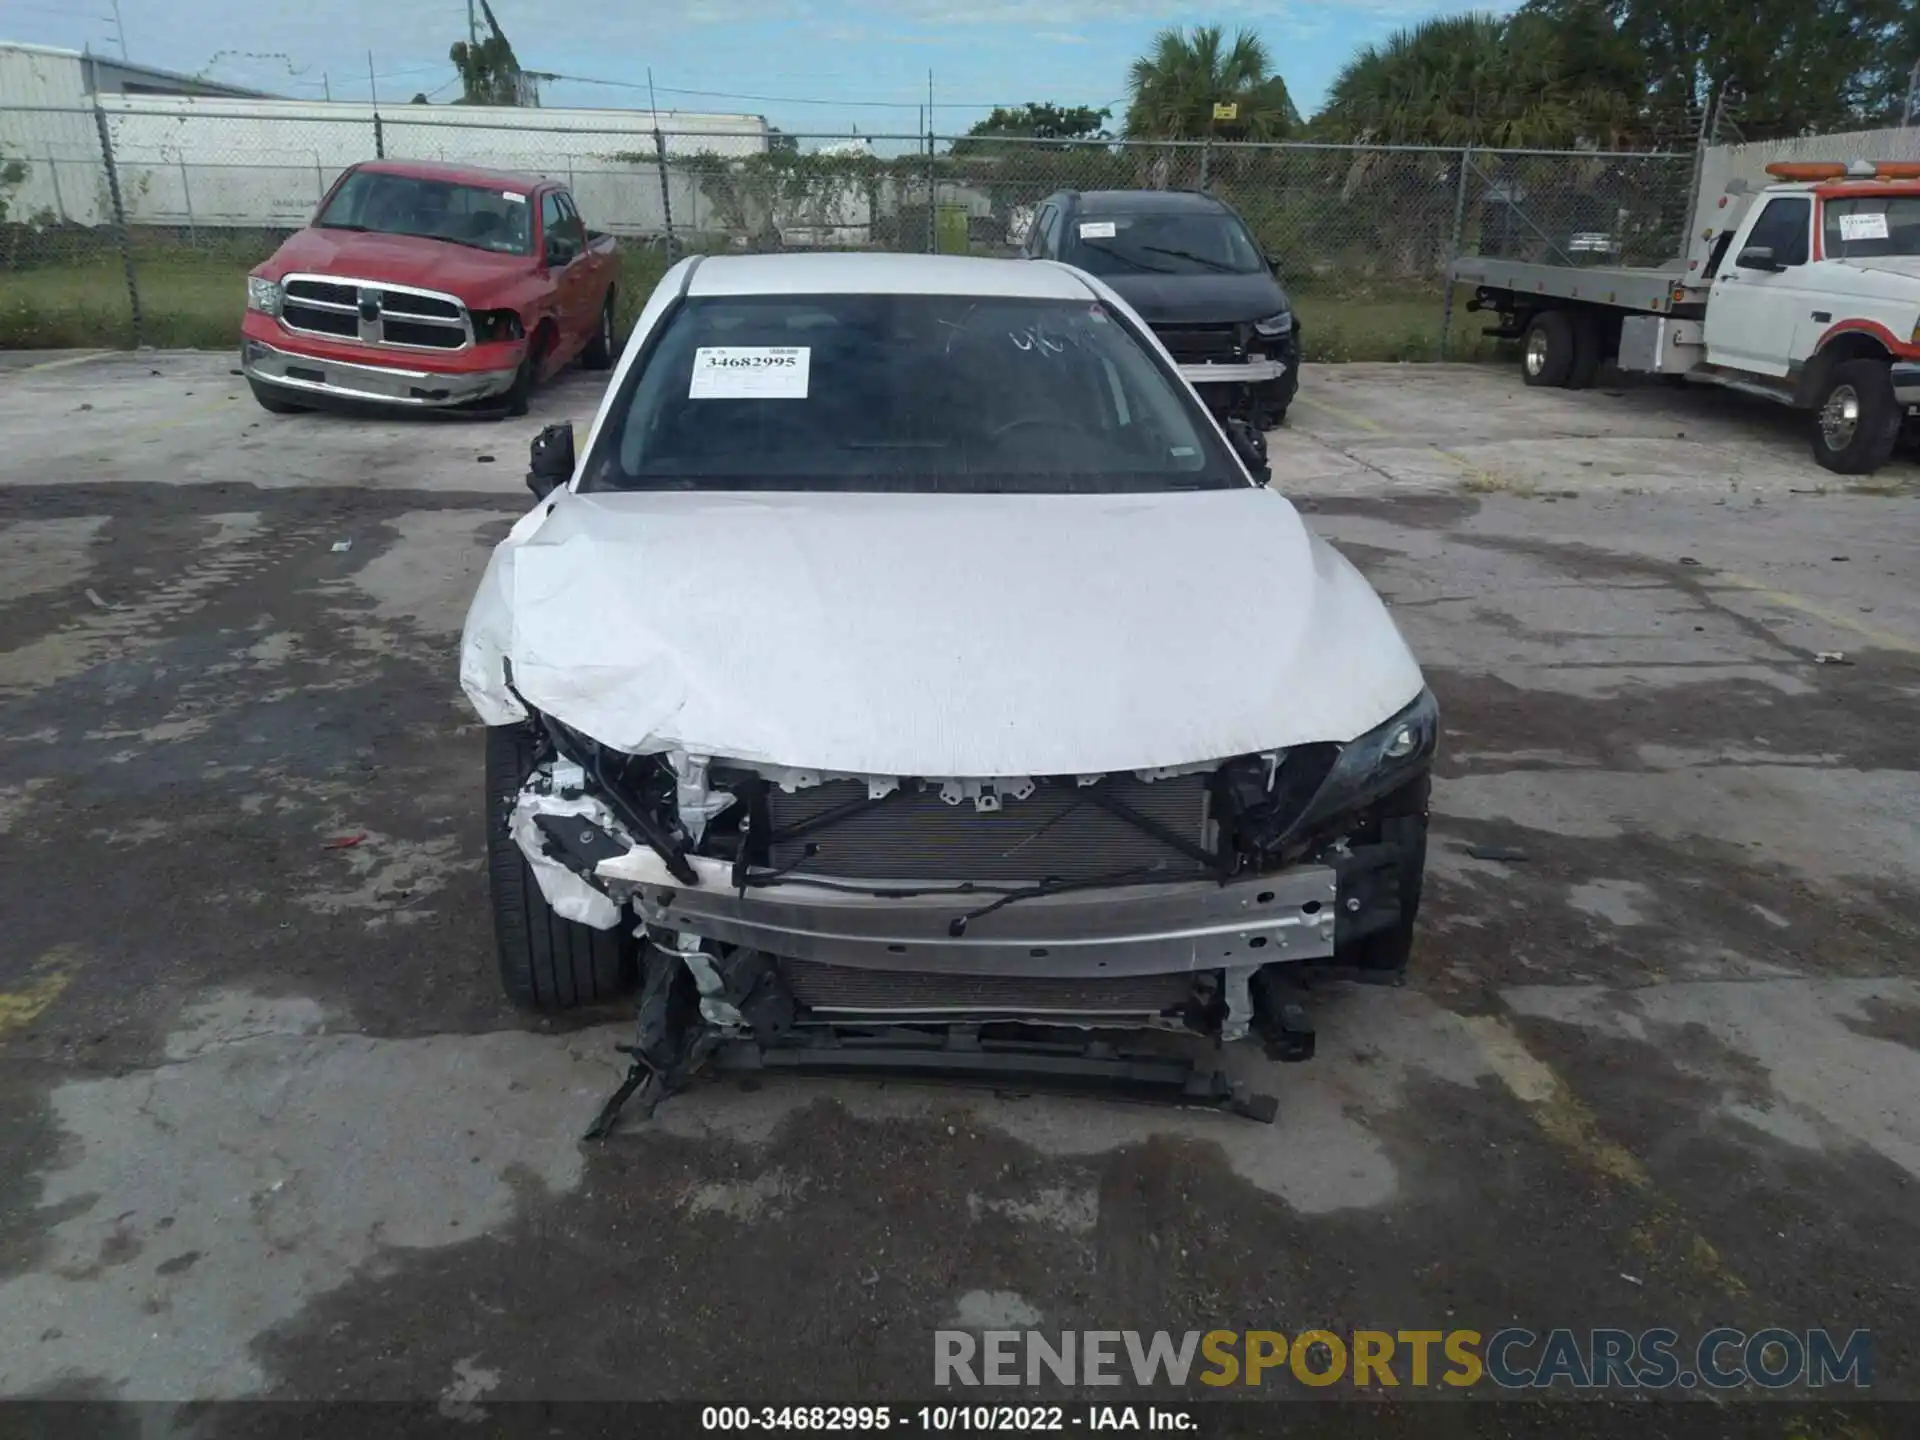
<point>940,1419</point>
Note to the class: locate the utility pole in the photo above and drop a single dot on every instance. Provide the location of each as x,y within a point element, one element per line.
<point>327,86</point>
<point>372,94</point>
<point>119,30</point>
<point>473,28</point>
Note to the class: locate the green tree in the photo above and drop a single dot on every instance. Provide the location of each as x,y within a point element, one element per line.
<point>1035,121</point>
<point>1173,88</point>
<point>1784,67</point>
<point>1486,80</point>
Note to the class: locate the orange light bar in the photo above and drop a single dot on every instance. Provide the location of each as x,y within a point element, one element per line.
<point>1834,170</point>
<point>1806,170</point>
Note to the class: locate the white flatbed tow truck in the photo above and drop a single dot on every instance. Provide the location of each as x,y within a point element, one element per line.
<point>1805,291</point>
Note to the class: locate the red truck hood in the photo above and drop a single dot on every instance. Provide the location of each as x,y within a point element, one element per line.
<point>399,260</point>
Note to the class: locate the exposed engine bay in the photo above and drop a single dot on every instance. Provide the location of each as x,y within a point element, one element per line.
<point>1025,929</point>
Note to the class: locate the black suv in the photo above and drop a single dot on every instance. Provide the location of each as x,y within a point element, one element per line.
<point>1193,270</point>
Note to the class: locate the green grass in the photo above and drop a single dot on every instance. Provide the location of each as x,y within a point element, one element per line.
<point>193,299</point>
<point>1336,328</point>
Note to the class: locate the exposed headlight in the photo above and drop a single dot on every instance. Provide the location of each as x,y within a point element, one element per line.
<point>1380,761</point>
<point>263,295</point>
<point>1281,324</point>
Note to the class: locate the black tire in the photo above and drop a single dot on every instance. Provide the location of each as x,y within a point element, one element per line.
<point>546,963</point>
<point>1381,958</point>
<point>519,398</point>
<point>1856,420</point>
<point>1587,351</point>
<point>274,401</point>
<point>1547,351</point>
<point>601,351</point>
<point>1275,398</point>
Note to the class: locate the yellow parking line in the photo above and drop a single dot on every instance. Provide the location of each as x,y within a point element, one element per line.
<point>59,364</point>
<point>51,973</point>
<point>1482,478</point>
<point>1886,639</point>
<point>1340,412</point>
<point>1569,1123</point>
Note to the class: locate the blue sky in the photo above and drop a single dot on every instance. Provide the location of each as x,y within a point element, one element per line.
<point>866,65</point>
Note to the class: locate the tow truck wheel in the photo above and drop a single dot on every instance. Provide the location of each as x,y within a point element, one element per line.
<point>1857,421</point>
<point>546,963</point>
<point>1547,353</point>
<point>1586,351</point>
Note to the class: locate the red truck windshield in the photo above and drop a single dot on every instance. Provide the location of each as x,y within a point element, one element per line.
<point>474,215</point>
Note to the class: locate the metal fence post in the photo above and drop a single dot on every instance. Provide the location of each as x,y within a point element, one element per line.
<point>933,209</point>
<point>59,200</point>
<point>379,137</point>
<point>186,198</point>
<point>120,234</point>
<point>1453,250</point>
<point>666,189</point>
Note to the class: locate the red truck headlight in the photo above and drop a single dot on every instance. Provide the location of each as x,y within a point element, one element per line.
<point>489,325</point>
<point>263,295</point>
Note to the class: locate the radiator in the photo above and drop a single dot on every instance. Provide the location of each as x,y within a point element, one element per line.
<point>1056,832</point>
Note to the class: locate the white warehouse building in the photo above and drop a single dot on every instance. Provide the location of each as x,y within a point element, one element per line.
<point>229,160</point>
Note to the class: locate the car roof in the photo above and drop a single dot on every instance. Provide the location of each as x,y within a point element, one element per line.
<point>854,273</point>
<point>453,174</point>
<point>1150,202</point>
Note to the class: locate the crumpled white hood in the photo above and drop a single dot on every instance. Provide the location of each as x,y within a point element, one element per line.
<point>934,635</point>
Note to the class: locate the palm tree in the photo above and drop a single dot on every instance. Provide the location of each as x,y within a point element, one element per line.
<point>1472,80</point>
<point>1175,86</point>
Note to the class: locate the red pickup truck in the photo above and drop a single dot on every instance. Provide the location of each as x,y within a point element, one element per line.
<point>424,285</point>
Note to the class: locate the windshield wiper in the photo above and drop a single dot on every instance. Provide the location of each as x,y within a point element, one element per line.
<point>1215,265</point>
<point>449,239</point>
<point>1134,260</point>
<point>336,225</point>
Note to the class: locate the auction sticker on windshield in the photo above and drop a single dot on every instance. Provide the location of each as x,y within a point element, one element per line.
<point>750,372</point>
<point>1096,230</point>
<point>1870,226</point>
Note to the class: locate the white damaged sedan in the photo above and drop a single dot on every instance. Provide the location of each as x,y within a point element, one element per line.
<point>910,673</point>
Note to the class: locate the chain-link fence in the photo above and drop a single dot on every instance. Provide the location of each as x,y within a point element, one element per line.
<point>120,225</point>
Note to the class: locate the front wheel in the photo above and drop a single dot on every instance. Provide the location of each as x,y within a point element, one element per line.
<point>601,351</point>
<point>1380,956</point>
<point>546,963</point>
<point>1273,398</point>
<point>1548,352</point>
<point>1857,420</point>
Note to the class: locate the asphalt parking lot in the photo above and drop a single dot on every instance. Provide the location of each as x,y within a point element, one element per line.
<point>271,1131</point>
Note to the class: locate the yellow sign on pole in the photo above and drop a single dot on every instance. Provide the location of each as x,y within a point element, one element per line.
<point>1226,110</point>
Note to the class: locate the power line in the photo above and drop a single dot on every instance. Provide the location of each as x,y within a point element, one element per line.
<point>796,99</point>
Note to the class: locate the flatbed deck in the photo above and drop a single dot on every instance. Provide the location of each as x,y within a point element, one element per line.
<point>1650,289</point>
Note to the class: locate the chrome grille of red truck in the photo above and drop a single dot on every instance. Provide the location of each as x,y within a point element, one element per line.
<point>374,314</point>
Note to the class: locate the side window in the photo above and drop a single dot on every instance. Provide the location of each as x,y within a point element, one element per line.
<point>576,227</point>
<point>553,224</point>
<point>1782,228</point>
<point>1037,231</point>
<point>1051,240</point>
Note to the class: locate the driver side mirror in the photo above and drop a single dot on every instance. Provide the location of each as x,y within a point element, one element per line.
<point>1758,257</point>
<point>550,459</point>
<point>560,251</point>
<point>1252,448</point>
